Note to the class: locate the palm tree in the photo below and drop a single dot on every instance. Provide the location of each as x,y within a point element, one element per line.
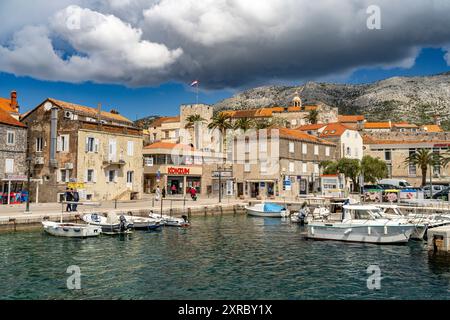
<point>220,121</point>
<point>244,124</point>
<point>424,158</point>
<point>263,124</point>
<point>191,122</point>
<point>313,116</point>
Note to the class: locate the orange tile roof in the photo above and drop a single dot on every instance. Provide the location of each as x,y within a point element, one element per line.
<point>334,130</point>
<point>6,118</point>
<point>432,128</point>
<point>311,127</point>
<point>299,135</point>
<point>351,118</point>
<point>5,104</point>
<point>168,145</point>
<point>158,122</point>
<point>265,112</point>
<point>404,125</point>
<point>89,110</point>
<point>377,125</point>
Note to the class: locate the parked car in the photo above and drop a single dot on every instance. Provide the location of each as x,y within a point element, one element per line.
<point>442,195</point>
<point>436,188</point>
<point>372,187</point>
<point>398,183</point>
<point>385,186</point>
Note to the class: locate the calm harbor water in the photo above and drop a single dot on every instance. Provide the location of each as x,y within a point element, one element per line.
<point>217,258</point>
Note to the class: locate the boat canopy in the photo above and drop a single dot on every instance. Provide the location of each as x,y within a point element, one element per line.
<point>272,207</point>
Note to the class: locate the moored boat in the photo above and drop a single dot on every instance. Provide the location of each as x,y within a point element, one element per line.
<point>170,221</point>
<point>71,230</point>
<point>142,223</point>
<point>111,224</point>
<point>362,223</point>
<point>267,210</point>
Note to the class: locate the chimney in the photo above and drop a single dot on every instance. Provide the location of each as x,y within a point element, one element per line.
<point>114,111</point>
<point>14,105</point>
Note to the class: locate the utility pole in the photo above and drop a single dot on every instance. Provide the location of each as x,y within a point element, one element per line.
<point>220,185</point>
<point>29,159</point>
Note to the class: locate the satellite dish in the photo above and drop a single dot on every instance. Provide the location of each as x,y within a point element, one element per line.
<point>48,106</point>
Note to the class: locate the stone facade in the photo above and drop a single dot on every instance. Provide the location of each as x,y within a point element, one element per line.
<point>14,153</point>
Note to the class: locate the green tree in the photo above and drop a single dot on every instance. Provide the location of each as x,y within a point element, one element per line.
<point>373,169</point>
<point>328,167</point>
<point>351,168</point>
<point>221,122</point>
<point>424,158</point>
<point>313,116</point>
<point>244,124</point>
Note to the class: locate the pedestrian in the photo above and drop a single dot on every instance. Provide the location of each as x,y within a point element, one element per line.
<point>76,198</point>
<point>157,193</point>
<point>193,193</point>
<point>174,189</point>
<point>68,197</point>
<point>164,192</point>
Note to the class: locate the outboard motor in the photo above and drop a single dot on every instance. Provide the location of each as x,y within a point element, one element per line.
<point>123,226</point>
<point>185,218</point>
<point>302,216</point>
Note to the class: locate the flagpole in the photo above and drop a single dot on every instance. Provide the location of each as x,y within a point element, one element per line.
<point>197,91</point>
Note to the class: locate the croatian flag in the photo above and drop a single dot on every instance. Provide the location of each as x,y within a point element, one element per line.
<point>195,83</point>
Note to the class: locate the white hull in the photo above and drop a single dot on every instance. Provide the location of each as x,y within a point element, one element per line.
<point>69,230</point>
<point>378,234</point>
<point>258,211</point>
<point>170,221</point>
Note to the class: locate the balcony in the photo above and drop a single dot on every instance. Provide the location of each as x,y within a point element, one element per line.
<point>108,161</point>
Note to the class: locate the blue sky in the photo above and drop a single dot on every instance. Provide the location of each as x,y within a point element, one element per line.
<point>166,99</point>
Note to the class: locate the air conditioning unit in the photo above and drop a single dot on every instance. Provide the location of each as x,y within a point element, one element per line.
<point>68,166</point>
<point>68,115</point>
<point>39,160</point>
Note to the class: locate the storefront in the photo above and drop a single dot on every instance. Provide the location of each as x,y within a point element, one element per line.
<point>177,180</point>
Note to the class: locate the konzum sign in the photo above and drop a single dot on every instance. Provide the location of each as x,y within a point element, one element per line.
<point>180,171</point>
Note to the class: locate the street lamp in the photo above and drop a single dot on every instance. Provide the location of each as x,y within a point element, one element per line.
<point>29,159</point>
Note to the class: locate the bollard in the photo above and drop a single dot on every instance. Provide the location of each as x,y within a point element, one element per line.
<point>13,220</point>
<point>189,213</point>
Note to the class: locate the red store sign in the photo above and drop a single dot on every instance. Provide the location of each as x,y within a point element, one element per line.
<point>179,171</point>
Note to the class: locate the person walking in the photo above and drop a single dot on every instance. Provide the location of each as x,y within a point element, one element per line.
<point>158,193</point>
<point>193,193</point>
<point>76,198</point>
<point>68,197</point>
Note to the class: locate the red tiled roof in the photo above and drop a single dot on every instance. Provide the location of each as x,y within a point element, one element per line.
<point>311,127</point>
<point>6,118</point>
<point>5,104</point>
<point>88,110</point>
<point>432,128</point>
<point>158,122</point>
<point>265,112</point>
<point>299,135</point>
<point>334,130</point>
<point>377,125</point>
<point>351,118</point>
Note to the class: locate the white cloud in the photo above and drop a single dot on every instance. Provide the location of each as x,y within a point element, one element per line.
<point>225,43</point>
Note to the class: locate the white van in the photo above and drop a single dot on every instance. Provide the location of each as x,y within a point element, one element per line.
<point>399,183</point>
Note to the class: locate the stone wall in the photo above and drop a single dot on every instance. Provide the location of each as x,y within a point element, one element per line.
<point>17,152</point>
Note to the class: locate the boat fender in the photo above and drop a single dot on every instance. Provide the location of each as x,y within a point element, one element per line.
<point>312,230</point>
<point>385,230</point>
<point>348,231</point>
<point>369,230</point>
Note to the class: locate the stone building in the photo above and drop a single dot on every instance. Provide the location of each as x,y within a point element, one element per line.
<point>97,152</point>
<point>13,149</point>
<point>394,149</point>
<point>284,163</point>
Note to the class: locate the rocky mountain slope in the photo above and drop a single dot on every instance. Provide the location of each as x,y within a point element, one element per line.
<point>414,99</point>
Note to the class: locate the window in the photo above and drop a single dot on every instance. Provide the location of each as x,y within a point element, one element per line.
<point>130,148</point>
<point>348,134</point>
<point>90,144</point>
<point>9,165</point>
<point>291,167</point>
<point>291,147</point>
<point>130,176</point>
<point>111,176</point>
<point>112,150</point>
<point>90,176</point>
<point>348,152</point>
<point>327,151</point>
<point>148,161</point>
<point>63,143</point>
<point>64,175</point>
<point>263,166</point>
<point>304,148</point>
<point>247,167</point>
<point>247,145</point>
<point>10,138</point>
<point>39,144</point>
<point>293,122</point>
<point>387,155</point>
<point>304,168</point>
<point>316,150</point>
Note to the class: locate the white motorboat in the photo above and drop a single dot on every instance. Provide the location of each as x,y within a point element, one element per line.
<point>170,221</point>
<point>301,216</point>
<point>71,230</point>
<point>393,212</point>
<point>112,224</point>
<point>267,210</point>
<point>362,223</point>
<point>142,223</point>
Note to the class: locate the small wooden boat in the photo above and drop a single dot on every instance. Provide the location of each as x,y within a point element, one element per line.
<point>71,230</point>
<point>111,224</point>
<point>142,223</point>
<point>169,221</point>
<point>267,210</point>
